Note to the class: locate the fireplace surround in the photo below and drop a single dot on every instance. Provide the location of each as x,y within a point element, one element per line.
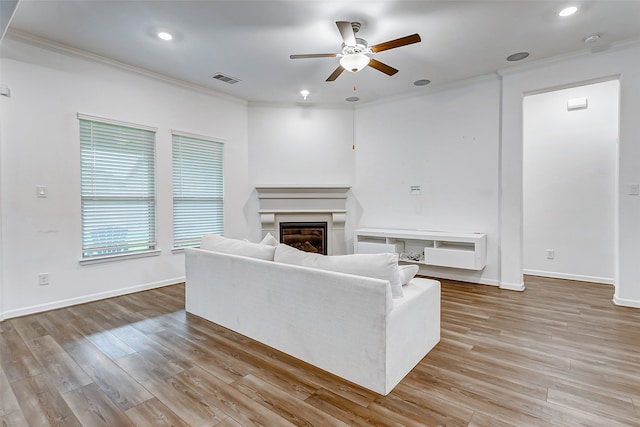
<point>305,204</point>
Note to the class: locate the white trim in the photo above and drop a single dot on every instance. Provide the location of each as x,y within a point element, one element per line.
<point>512,286</point>
<point>576,277</point>
<point>456,277</point>
<point>79,53</point>
<point>196,136</point>
<point>82,116</point>
<point>626,302</point>
<point>301,211</point>
<point>431,89</point>
<point>525,66</point>
<point>88,298</point>
<point>119,257</point>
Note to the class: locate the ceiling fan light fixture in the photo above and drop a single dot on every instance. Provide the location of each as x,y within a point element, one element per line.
<point>354,62</point>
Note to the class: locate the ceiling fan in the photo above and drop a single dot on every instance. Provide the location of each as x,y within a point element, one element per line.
<point>355,52</point>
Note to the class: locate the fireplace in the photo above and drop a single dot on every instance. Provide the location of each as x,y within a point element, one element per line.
<point>306,205</point>
<point>305,236</point>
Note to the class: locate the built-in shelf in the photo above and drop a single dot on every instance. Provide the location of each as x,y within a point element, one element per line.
<point>437,248</point>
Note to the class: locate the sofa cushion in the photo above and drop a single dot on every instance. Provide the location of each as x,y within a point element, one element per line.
<point>379,266</point>
<point>407,272</point>
<point>215,243</point>
<point>269,240</point>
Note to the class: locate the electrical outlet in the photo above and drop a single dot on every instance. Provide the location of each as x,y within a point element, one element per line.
<point>43,279</point>
<point>551,253</point>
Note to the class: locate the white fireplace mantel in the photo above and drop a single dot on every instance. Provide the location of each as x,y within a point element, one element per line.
<point>305,204</point>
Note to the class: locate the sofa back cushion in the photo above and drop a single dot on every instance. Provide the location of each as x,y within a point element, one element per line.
<point>215,243</point>
<point>378,266</point>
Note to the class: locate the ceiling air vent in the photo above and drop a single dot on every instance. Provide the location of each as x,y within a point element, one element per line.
<point>224,78</point>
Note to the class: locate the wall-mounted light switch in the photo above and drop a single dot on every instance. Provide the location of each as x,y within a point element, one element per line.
<point>43,279</point>
<point>41,191</point>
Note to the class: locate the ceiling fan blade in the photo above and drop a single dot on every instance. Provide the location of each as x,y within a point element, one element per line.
<point>388,70</point>
<point>335,74</point>
<point>314,55</point>
<point>391,44</point>
<point>346,31</point>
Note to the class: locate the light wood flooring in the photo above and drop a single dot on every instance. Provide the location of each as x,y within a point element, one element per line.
<point>559,353</point>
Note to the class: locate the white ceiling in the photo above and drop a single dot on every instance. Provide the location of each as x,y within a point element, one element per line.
<point>252,40</point>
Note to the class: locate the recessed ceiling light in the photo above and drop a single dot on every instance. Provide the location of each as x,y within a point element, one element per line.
<point>422,82</point>
<point>163,35</point>
<point>517,56</point>
<point>568,11</point>
<point>352,99</point>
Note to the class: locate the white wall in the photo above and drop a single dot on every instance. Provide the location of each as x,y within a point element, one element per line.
<point>446,142</point>
<point>40,146</point>
<point>297,146</point>
<point>623,62</point>
<point>569,167</point>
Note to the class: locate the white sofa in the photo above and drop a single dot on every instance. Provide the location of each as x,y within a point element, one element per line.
<point>346,324</point>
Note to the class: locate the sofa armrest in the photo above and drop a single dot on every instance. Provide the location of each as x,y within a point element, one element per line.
<point>413,328</point>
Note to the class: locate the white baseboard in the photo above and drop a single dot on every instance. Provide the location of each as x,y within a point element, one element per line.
<point>512,286</point>
<point>576,277</point>
<point>626,302</point>
<point>460,278</point>
<point>87,298</point>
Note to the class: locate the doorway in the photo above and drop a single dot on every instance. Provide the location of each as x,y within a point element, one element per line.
<point>570,169</point>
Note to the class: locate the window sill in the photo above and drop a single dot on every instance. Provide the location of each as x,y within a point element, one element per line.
<point>118,257</point>
<point>181,249</point>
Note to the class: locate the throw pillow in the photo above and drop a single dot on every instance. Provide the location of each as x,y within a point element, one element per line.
<point>289,255</point>
<point>407,272</point>
<point>377,266</point>
<point>269,240</point>
<point>215,243</point>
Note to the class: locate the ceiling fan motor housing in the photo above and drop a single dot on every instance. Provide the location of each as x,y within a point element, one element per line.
<point>361,47</point>
<point>355,52</point>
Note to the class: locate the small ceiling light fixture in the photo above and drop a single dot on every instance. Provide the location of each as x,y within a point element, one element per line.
<point>354,62</point>
<point>422,82</point>
<point>568,11</point>
<point>352,99</point>
<point>591,38</point>
<point>517,56</point>
<point>163,35</point>
<point>304,94</point>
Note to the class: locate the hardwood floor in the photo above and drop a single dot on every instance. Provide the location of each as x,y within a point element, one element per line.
<point>559,353</point>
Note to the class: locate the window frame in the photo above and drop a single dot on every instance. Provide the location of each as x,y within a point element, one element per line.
<point>111,253</point>
<point>218,150</point>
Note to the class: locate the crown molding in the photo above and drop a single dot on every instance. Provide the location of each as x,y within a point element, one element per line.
<point>433,88</point>
<point>41,42</point>
<point>613,47</point>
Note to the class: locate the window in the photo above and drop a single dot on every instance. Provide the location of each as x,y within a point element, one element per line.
<point>117,162</point>
<point>198,188</point>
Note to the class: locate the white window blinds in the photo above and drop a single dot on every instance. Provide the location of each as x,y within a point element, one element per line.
<point>117,187</point>
<point>198,188</point>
